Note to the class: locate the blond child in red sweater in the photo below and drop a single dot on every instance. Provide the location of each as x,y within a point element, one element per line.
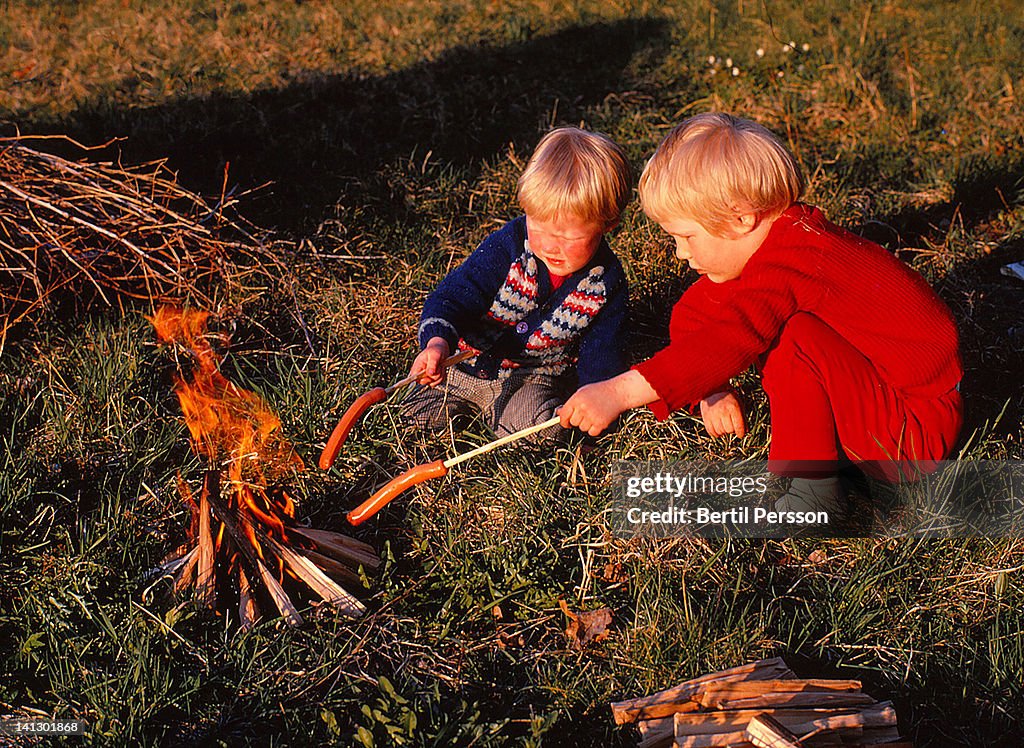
<point>859,357</point>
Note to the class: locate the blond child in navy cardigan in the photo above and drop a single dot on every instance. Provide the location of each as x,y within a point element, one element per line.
<point>541,302</point>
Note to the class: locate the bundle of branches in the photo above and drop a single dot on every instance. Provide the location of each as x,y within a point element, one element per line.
<point>93,231</point>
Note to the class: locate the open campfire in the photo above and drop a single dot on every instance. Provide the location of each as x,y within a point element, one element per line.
<point>245,550</point>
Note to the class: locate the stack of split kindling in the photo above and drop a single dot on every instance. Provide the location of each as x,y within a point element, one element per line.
<point>762,705</point>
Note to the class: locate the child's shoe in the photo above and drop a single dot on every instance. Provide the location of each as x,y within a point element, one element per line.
<point>817,495</point>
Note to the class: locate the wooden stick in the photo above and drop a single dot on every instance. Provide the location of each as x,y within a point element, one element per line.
<point>715,694</point>
<point>458,358</point>
<point>698,723</point>
<point>680,698</point>
<point>185,576</point>
<point>427,471</point>
<point>248,611</point>
<point>336,538</point>
<point>795,700</point>
<point>508,439</point>
<point>880,715</point>
<point>282,602</point>
<point>206,591</point>
<point>341,547</point>
<point>320,583</point>
<point>333,567</point>
<point>767,732</point>
<point>718,740</point>
<point>656,733</point>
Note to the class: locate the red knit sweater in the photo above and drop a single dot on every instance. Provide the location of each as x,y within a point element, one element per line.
<point>807,264</point>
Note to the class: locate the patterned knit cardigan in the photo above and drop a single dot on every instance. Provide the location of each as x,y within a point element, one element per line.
<point>499,302</point>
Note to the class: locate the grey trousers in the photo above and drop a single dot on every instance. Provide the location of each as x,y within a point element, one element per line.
<point>507,404</point>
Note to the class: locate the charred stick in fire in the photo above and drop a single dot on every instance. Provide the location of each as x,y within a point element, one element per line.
<point>280,598</point>
<point>333,567</point>
<point>317,581</point>
<point>248,612</point>
<point>185,575</point>
<point>340,547</point>
<point>206,591</point>
<point>282,602</point>
<point>337,538</point>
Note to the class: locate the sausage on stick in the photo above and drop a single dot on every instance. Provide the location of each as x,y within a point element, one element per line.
<point>364,402</point>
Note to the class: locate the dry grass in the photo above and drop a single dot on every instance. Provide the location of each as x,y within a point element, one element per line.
<point>98,232</point>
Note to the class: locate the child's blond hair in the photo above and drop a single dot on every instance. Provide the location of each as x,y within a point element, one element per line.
<point>713,166</point>
<point>576,173</point>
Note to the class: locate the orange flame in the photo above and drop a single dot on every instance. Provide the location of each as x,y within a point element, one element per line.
<point>230,425</point>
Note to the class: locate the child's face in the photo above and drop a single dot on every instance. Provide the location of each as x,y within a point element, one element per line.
<point>720,259</point>
<point>564,244</point>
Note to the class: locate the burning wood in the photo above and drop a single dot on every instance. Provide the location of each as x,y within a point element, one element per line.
<point>760,705</point>
<point>246,548</point>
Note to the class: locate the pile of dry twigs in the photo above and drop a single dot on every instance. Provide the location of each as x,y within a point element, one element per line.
<point>98,231</point>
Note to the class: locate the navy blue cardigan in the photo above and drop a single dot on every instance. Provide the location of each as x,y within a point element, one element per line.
<point>499,302</point>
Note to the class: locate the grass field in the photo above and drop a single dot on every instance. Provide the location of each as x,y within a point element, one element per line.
<point>391,135</point>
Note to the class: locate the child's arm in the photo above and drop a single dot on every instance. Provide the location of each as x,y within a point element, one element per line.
<point>593,407</point>
<point>465,294</point>
<point>428,362</point>
<point>723,414</point>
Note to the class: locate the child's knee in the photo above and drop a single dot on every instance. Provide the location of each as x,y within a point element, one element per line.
<point>513,420</point>
<point>532,401</point>
<point>802,336</point>
<point>431,408</point>
<point>807,349</point>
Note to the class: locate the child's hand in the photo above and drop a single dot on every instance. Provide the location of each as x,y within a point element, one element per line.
<point>593,407</point>
<point>723,414</point>
<point>428,363</point>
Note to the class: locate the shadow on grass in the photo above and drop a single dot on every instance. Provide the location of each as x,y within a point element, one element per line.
<point>986,304</point>
<point>933,710</point>
<point>325,136</point>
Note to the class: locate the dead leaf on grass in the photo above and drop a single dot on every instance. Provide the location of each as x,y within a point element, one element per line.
<point>613,573</point>
<point>584,628</point>
<point>513,639</point>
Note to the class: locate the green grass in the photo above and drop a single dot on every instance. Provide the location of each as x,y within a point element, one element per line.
<point>393,134</point>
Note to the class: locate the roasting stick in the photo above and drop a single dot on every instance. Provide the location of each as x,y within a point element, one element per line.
<point>436,469</point>
<point>365,401</point>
